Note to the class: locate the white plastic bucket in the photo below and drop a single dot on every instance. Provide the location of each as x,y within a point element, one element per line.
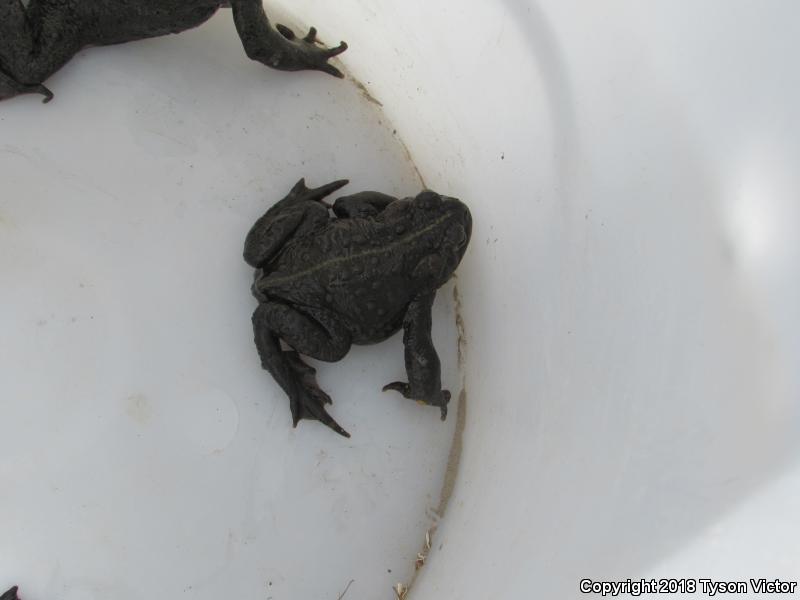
<point>629,304</point>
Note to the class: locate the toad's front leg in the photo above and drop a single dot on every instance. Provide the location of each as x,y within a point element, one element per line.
<point>422,362</point>
<point>314,335</point>
<point>279,47</point>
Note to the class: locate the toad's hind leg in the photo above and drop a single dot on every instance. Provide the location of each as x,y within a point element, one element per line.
<point>272,322</point>
<point>299,213</point>
<point>363,204</point>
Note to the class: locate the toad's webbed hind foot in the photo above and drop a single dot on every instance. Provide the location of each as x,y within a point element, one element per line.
<point>315,335</point>
<point>440,399</point>
<point>311,399</point>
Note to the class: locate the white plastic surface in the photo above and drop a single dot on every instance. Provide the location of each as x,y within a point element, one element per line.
<point>630,303</point>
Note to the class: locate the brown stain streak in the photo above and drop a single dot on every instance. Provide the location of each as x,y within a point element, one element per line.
<point>457,445</point>
<point>365,92</point>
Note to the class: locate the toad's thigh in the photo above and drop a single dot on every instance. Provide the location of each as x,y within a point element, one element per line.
<point>313,332</point>
<point>118,21</point>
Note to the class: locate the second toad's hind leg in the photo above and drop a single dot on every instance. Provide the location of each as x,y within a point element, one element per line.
<point>37,41</point>
<point>278,47</point>
<point>10,87</point>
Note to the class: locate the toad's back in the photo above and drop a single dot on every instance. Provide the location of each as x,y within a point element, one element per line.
<point>359,269</point>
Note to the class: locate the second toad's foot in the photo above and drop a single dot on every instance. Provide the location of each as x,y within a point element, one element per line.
<point>300,54</point>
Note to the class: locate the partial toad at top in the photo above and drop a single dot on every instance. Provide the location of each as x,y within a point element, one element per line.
<point>38,39</point>
<point>325,282</point>
<point>10,594</point>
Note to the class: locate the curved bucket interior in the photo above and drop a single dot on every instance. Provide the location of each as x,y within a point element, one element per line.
<point>621,339</point>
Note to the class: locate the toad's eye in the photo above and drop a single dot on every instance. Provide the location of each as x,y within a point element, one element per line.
<point>456,235</point>
<point>428,200</point>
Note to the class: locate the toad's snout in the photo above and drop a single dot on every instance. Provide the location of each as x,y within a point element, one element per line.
<point>459,227</point>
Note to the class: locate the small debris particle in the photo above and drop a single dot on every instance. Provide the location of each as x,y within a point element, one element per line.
<point>349,583</point>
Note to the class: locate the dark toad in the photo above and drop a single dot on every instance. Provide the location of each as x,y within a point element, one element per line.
<point>38,37</point>
<point>325,282</point>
